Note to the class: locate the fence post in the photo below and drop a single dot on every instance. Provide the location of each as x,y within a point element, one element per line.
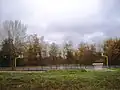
<point>51,67</point>
<point>56,66</point>
<point>42,68</point>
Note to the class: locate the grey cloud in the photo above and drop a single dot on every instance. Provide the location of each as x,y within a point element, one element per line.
<point>111,8</point>
<point>106,26</point>
<point>14,9</point>
<point>107,21</point>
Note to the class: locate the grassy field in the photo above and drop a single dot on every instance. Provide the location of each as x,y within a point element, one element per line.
<point>61,80</point>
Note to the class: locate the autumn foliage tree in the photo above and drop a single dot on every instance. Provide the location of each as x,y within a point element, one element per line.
<point>111,48</point>
<point>68,52</point>
<point>33,52</point>
<point>36,51</point>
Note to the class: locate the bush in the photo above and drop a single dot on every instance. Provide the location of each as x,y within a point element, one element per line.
<point>83,70</point>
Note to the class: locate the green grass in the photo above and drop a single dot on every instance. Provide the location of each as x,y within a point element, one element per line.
<point>60,80</point>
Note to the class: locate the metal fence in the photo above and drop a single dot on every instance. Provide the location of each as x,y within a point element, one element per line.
<point>53,67</point>
<point>44,68</point>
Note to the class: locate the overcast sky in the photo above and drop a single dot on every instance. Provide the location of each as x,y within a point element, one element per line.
<point>58,20</point>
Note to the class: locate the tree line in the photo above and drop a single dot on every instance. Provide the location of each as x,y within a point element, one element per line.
<point>32,50</point>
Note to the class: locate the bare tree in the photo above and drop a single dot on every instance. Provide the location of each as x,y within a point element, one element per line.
<point>53,52</point>
<point>15,31</point>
